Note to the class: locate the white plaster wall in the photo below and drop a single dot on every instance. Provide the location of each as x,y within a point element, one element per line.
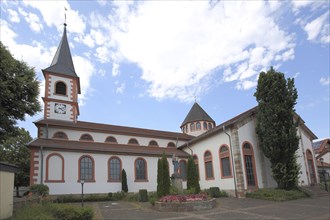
<point>65,116</point>
<point>55,173</point>
<point>212,144</point>
<point>67,81</point>
<point>121,139</point>
<point>72,186</point>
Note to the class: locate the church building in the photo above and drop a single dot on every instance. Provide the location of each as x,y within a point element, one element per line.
<point>67,150</point>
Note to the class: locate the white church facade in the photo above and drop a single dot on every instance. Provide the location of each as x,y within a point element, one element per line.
<point>67,150</point>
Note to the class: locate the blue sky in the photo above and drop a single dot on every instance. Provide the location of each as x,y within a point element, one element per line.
<point>142,64</point>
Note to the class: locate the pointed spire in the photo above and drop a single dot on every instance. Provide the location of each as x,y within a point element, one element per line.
<point>62,61</point>
<point>196,113</point>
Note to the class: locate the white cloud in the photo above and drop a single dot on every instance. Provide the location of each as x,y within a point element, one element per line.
<point>325,81</point>
<point>319,28</point>
<point>85,70</point>
<point>178,53</point>
<point>102,53</point>
<point>120,88</point>
<point>51,12</point>
<point>115,69</point>
<point>13,16</point>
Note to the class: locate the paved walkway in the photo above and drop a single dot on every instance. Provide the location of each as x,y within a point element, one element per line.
<point>226,208</point>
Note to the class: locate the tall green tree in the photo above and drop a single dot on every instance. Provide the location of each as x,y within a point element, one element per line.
<point>192,176</point>
<point>276,127</point>
<point>163,177</point>
<point>124,186</point>
<point>14,151</point>
<point>19,91</point>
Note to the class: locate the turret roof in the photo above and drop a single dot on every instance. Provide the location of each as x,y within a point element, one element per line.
<point>196,113</point>
<point>62,61</point>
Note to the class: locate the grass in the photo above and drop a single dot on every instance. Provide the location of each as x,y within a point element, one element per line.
<point>52,211</point>
<point>277,194</point>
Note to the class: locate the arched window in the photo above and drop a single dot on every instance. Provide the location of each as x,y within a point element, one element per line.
<point>205,126</point>
<point>60,135</point>
<point>55,168</point>
<point>86,168</point>
<point>208,165</point>
<point>311,168</point>
<point>60,88</point>
<point>133,141</point>
<point>170,144</point>
<point>86,137</point>
<point>249,164</point>
<point>184,129</point>
<point>192,127</point>
<point>210,126</point>
<point>198,126</point>
<point>153,143</point>
<point>196,164</point>
<point>111,139</point>
<point>140,168</point>
<point>225,162</point>
<point>114,164</point>
<point>183,169</point>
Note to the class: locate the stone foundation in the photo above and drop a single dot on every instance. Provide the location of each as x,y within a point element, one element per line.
<point>185,206</point>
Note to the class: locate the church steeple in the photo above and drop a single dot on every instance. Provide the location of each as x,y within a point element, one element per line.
<point>62,85</point>
<point>197,121</point>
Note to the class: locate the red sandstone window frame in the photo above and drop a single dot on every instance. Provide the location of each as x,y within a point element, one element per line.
<point>57,135</point>
<point>133,141</point>
<point>208,159</point>
<point>145,170</point>
<point>112,138</point>
<point>309,157</point>
<point>47,180</point>
<point>109,169</point>
<point>90,139</point>
<point>223,155</point>
<point>250,152</point>
<point>153,143</point>
<point>170,144</point>
<point>93,168</point>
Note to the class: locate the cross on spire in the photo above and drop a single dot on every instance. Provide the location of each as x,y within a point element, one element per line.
<point>65,16</point>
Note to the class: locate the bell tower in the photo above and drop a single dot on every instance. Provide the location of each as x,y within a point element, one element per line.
<point>62,85</point>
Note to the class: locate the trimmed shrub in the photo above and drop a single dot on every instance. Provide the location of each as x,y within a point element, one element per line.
<point>124,186</point>
<point>276,194</point>
<point>40,189</point>
<point>214,192</point>
<point>143,195</point>
<point>118,196</point>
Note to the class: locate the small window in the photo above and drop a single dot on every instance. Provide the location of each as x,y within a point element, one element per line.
<point>111,139</point>
<point>210,126</point>
<point>86,137</point>
<point>153,143</point>
<point>208,165</point>
<point>133,141</point>
<point>192,127</point>
<point>114,169</point>
<point>170,144</point>
<point>205,126</point>
<point>60,135</point>
<point>140,170</point>
<point>60,88</point>
<point>198,126</point>
<point>183,169</point>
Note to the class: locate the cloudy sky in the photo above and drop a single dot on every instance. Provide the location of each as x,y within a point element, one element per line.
<point>143,64</point>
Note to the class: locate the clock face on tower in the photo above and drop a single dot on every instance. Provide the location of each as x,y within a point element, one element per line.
<point>60,108</point>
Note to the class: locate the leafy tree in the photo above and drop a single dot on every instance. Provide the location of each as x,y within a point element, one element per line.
<point>19,91</point>
<point>124,186</point>
<point>276,127</point>
<point>14,151</point>
<point>163,177</point>
<point>192,176</point>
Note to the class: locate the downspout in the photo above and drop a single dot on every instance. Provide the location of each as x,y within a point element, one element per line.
<point>42,159</point>
<point>232,160</point>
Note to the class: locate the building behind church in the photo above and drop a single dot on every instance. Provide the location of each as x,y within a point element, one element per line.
<point>67,150</point>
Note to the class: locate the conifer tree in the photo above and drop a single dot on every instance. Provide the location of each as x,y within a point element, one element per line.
<point>166,175</point>
<point>276,127</point>
<point>192,176</point>
<point>160,182</point>
<point>124,186</point>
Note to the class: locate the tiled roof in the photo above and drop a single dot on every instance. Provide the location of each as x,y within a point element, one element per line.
<point>62,61</point>
<point>196,113</point>
<point>318,146</point>
<point>251,112</point>
<point>111,148</point>
<point>115,129</point>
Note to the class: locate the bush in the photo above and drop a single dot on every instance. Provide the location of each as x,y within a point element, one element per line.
<point>118,196</point>
<point>143,195</point>
<point>152,196</point>
<point>214,192</point>
<point>174,190</point>
<point>40,189</point>
<point>131,197</point>
<point>124,186</point>
<point>276,194</point>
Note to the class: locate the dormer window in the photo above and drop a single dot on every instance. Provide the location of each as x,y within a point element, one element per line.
<point>60,88</point>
